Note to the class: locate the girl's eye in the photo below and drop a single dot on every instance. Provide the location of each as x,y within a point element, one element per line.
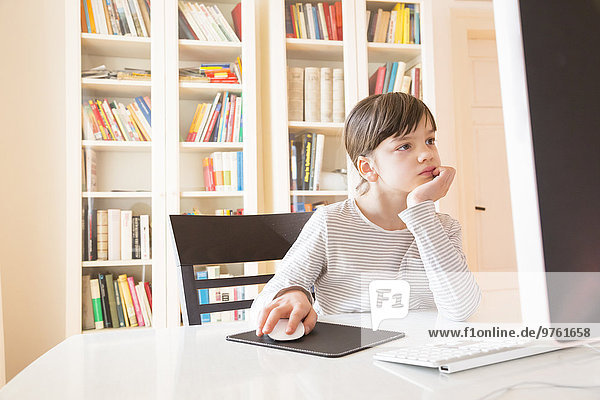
<point>404,147</point>
<point>431,141</point>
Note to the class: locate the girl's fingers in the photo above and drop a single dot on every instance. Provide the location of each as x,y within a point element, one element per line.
<point>310,321</point>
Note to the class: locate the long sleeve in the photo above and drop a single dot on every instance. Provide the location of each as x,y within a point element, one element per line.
<point>455,291</point>
<point>301,266</point>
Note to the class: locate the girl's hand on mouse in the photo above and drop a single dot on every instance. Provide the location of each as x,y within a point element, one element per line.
<point>434,189</point>
<point>292,304</point>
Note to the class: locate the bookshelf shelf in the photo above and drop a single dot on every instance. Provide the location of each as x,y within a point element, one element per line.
<point>197,90</point>
<point>388,4</point>
<point>319,193</point>
<point>210,146</point>
<point>382,52</point>
<point>116,263</point>
<point>201,194</point>
<point>326,128</point>
<point>117,195</point>
<point>112,145</point>
<point>113,330</point>
<point>115,46</point>
<point>116,88</point>
<point>194,50</point>
<point>325,50</point>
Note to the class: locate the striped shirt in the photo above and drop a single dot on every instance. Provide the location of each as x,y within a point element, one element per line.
<point>340,252</point>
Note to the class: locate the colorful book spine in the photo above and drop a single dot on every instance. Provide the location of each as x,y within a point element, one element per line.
<point>126,294</point>
<point>119,305</point>
<point>203,296</point>
<point>136,303</point>
<point>96,303</point>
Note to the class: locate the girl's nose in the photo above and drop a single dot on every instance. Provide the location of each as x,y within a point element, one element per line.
<point>424,155</point>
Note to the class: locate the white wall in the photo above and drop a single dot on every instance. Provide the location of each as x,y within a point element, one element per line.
<point>32,178</point>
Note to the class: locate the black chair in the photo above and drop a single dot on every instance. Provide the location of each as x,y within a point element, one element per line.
<point>205,240</point>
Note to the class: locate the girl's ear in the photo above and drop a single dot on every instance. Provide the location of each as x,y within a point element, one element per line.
<point>366,168</point>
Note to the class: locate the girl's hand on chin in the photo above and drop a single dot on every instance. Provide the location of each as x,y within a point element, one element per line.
<point>433,190</point>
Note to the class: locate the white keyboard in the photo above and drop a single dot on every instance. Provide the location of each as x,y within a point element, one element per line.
<point>457,356</point>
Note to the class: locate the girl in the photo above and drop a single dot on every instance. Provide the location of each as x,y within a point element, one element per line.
<point>389,231</point>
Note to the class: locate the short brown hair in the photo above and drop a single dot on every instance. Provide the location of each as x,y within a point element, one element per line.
<point>377,117</point>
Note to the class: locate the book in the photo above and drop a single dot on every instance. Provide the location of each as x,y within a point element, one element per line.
<point>120,310</point>
<point>140,295</point>
<point>104,301</point>
<point>386,79</point>
<point>96,304</point>
<point>406,80</point>
<point>112,302</point>
<point>333,21</point>
<point>203,295</point>
<point>401,69</point>
<point>295,81</point>
<point>148,294</point>
<point>136,248</point>
<point>145,236</point>
<point>87,309</point>
<point>240,170</point>
<point>123,302</point>
<point>318,161</point>
<point>307,146</point>
<point>380,80</point>
<point>326,94</point>
<point>392,79</point>
<point>114,234</point>
<point>90,250</point>
<point>312,96</point>
<point>322,24</point>
<point>338,109</point>
<point>391,32</point>
<point>126,235</point>
<point>126,294</point>
<point>146,303</point>
<point>145,16</point>
<point>213,272</point>
<point>293,163</point>
<point>102,235</point>
<point>236,16</point>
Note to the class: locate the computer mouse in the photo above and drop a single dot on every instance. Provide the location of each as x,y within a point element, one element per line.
<point>279,334</point>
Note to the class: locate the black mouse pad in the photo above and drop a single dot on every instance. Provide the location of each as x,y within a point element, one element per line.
<point>326,340</point>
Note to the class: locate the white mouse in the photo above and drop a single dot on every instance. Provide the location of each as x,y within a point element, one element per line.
<point>278,332</point>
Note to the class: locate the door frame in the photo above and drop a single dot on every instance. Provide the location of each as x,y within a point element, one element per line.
<point>465,25</point>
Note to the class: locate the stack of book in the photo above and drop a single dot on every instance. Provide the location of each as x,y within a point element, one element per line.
<point>115,303</point>
<point>115,235</point>
<point>224,171</point>
<point>306,160</point>
<point>299,206</point>
<point>322,21</point>
<point>206,22</point>
<point>218,295</point>
<point>213,73</point>
<point>400,25</point>
<point>130,74</point>
<point>220,121</point>
<point>115,121</point>
<point>316,94</point>
<point>116,17</point>
<point>393,77</point>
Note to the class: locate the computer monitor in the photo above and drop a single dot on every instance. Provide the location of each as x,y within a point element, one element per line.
<point>549,60</point>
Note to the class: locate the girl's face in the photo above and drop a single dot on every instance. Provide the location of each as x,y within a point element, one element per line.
<point>403,163</point>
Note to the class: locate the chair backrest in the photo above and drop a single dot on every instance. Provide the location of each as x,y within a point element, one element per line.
<point>207,239</point>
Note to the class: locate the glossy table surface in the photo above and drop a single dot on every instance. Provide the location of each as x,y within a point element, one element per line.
<point>197,362</point>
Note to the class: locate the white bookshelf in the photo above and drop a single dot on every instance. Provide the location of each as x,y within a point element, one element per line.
<point>294,52</point>
<point>159,177</point>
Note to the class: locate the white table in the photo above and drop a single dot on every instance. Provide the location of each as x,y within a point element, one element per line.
<point>198,363</point>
